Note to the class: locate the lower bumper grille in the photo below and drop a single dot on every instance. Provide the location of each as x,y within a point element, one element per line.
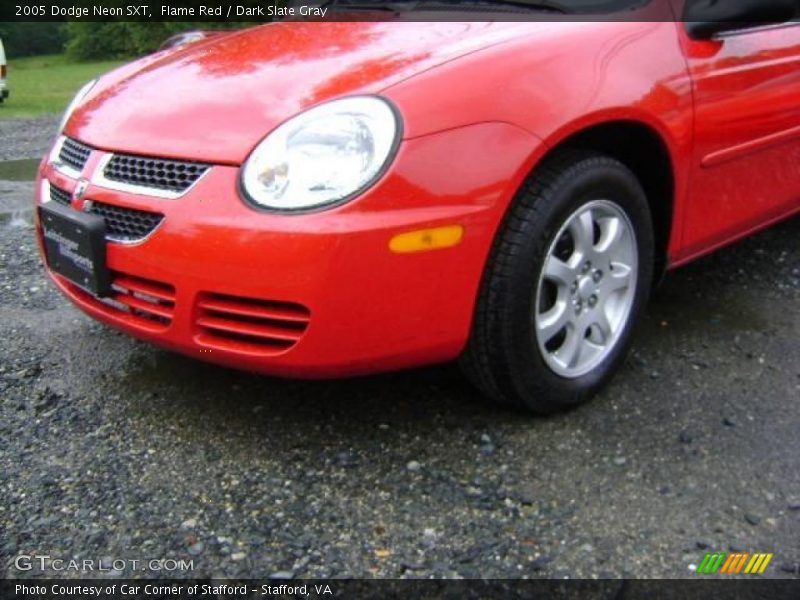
<point>146,304</point>
<point>249,325</point>
<point>123,224</point>
<point>60,196</point>
<point>145,299</point>
<point>126,224</point>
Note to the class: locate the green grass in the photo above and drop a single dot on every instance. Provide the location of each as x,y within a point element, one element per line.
<point>44,85</point>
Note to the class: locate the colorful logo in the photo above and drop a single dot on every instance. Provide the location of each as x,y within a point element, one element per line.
<point>734,563</point>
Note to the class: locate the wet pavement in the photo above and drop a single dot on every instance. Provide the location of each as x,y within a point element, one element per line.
<point>112,448</point>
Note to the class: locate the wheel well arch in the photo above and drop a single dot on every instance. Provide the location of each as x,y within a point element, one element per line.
<point>643,150</point>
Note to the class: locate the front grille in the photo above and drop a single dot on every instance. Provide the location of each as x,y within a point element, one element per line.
<point>155,173</point>
<point>126,224</point>
<point>74,154</point>
<point>60,196</point>
<point>248,325</point>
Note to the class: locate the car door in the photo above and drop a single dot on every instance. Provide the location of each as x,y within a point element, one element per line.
<point>746,166</point>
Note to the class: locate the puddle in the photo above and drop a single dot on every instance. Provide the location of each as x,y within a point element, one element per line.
<point>16,197</point>
<point>19,170</point>
<point>21,219</point>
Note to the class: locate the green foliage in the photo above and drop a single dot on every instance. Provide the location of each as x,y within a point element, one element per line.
<point>115,39</point>
<point>102,40</point>
<point>90,41</point>
<point>29,39</point>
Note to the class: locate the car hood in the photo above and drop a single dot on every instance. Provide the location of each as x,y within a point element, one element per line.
<point>215,101</point>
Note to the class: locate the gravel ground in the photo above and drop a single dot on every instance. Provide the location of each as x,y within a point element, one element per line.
<point>26,138</point>
<point>112,449</point>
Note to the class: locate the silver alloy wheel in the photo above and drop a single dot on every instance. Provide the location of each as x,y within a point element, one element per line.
<point>586,288</point>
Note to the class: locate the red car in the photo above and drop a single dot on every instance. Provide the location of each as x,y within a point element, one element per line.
<point>338,198</point>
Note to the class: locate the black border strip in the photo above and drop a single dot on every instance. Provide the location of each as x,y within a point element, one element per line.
<point>701,588</point>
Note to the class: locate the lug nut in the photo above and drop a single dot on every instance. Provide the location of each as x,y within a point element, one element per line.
<point>592,300</point>
<point>587,266</point>
<point>574,287</point>
<point>597,276</point>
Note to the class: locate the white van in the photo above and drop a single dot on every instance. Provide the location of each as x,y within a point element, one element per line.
<point>3,73</point>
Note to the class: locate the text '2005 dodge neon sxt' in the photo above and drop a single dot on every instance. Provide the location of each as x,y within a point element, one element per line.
<point>338,198</point>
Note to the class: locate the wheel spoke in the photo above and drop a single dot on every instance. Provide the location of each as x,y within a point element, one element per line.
<point>553,321</point>
<point>619,278</point>
<point>569,352</point>
<point>582,229</point>
<point>610,237</point>
<point>601,323</point>
<point>558,271</point>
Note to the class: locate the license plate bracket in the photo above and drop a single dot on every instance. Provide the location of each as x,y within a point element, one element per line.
<point>75,247</point>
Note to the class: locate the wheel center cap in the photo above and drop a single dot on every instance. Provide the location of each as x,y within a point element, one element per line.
<point>585,288</point>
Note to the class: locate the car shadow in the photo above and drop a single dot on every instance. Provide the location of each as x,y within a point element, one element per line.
<point>704,303</point>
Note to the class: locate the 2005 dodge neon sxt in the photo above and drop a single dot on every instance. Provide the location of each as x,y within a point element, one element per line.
<point>329,199</point>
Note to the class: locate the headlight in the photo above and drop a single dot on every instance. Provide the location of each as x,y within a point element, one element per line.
<point>76,102</point>
<point>323,156</point>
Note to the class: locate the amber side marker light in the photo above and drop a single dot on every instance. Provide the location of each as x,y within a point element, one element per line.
<point>423,240</point>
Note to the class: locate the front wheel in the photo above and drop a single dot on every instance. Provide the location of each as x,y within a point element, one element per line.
<point>568,276</point>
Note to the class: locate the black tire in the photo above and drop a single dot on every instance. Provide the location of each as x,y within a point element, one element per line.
<point>502,357</point>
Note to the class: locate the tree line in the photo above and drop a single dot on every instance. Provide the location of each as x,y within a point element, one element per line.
<point>85,40</point>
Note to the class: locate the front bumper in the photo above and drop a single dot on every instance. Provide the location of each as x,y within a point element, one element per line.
<point>337,300</point>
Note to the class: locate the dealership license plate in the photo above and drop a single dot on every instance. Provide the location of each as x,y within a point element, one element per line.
<point>75,246</point>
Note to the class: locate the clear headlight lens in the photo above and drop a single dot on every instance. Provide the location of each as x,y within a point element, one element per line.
<point>76,102</point>
<point>323,155</point>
